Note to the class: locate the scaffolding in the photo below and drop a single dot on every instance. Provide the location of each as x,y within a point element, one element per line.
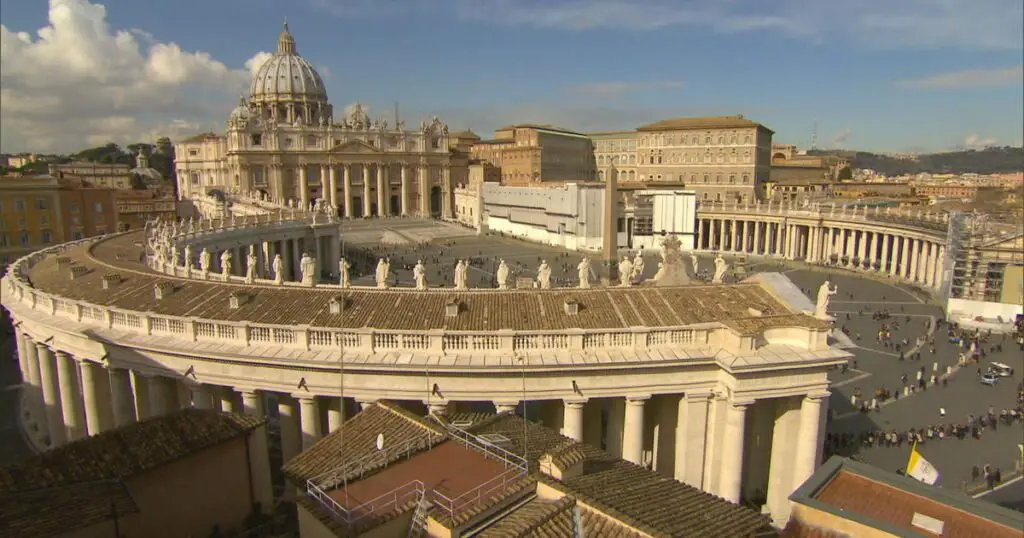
<point>975,261</point>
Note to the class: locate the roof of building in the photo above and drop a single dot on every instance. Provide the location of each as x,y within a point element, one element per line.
<point>468,133</point>
<point>889,502</point>
<point>406,308</point>
<point>708,122</point>
<point>201,137</point>
<point>622,499</point>
<point>124,452</point>
<point>75,485</point>
<point>542,127</point>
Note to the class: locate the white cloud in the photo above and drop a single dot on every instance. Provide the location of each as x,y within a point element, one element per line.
<point>79,83</point>
<point>932,24</point>
<point>973,141</point>
<point>972,78</point>
<point>612,90</point>
<point>841,137</point>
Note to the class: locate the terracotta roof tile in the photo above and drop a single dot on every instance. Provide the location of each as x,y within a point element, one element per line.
<point>57,511</point>
<point>127,451</point>
<point>709,122</point>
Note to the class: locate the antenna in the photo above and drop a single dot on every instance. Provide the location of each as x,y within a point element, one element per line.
<point>341,361</point>
<point>814,135</point>
<point>396,114</point>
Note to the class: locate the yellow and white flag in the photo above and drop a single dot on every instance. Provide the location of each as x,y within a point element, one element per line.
<point>920,468</point>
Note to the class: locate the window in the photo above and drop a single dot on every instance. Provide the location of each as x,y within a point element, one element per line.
<point>101,230</point>
<point>47,237</point>
<point>22,223</point>
<point>24,239</point>
<point>4,242</point>
<point>257,140</point>
<point>19,204</point>
<point>98,206</point>
<point>746,179</point>
<point>193,153</point>
<point>732,180</point>
<point>44,221</point>
<point>707,178</point>
<point>435,143</point>
<point>77,234</point>
<point>76,220</point>
<point>73,208</point>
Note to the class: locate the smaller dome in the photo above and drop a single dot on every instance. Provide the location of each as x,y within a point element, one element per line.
<point>241,112</point>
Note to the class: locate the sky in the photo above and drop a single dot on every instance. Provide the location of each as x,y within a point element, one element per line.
<point>877,75</point>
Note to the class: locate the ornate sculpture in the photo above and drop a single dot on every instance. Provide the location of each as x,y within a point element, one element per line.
<point>383,267</point>
<point>419,274</point>
<point>638,265</point>
<point>188,261</point>
<point>502,275</point>
<point>225,264</point>
<point>278,267</point>
<point>626,272</point>
<point>204,262</point>
<point>584,273</point>
<point>343,268</point>
<point>696,269</point>
<point>544,275</point>
<point>251,262</point>
<point>174,254</point>
<point>825,294</point>
<point>307,264</point>
<point>720,268</point>
<point>461,275</point>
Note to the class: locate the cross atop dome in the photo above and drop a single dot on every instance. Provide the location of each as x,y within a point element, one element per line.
<point>285,42</point>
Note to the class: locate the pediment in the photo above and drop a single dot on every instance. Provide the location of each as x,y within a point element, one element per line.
<point>355,146</point>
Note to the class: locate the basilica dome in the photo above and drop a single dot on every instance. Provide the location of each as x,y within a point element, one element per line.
<point>287,77</point>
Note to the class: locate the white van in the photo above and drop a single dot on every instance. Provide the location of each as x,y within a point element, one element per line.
<point>1000,369</point>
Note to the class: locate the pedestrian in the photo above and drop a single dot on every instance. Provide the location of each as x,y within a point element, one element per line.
<point>942,411</point>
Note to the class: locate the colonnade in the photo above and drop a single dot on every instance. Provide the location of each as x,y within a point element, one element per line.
<point>733,447</point>
<point>917,259</point>
<point>323,244</point>
<point>370,188</point>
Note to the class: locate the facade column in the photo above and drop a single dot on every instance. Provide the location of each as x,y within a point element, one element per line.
<point>873,251</point>
<point>434,408</point>
<point>721,235</point>
<point>96,394</point>
<point>777,233</point>
<point>382,192</point>
<point>51,394</point>
<point>291,443</point>
<point>940,261</point>
<point>259,456</point>
<point>633,431</point>
<point>141,396</point>
<point>347,188</point>
<point>424,191</point>
<point>572,419</point>
<point>122,399</point>
<point>446,190</point>
<point>894,256</point>
<point>332,187</point>
<point>200,396</point>
<point>883,257</point>
<point>163,395</point>
<point>35,388</point>
<point>904,269</point>
<point>862,248</point>
<point>405,191</point>
<point>367,206</point>
<point>810,437</point>
<point>915,253</point>
<point>731,471</point>
<point>691,431</point>
<point>22,341</point>
<point>335,413</point>
<point>70,397</point>
<point>304,186</point>
<point>309,414</point>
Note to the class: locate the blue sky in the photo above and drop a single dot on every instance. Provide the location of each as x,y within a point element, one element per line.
<point>892,75</point>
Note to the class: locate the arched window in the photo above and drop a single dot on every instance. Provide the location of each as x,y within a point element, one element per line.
<point>651,159</point>
<point>707,140</point>
<point>746,139</point>
<point>707,178</point>
<point>718,179</point>
<point>721,140</point>
<point>732,179</point>
<point>705,196</point>
<point>732,139</point>
<point>746,179</point>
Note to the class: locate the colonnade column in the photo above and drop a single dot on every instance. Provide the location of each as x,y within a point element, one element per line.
<point>70,398</point>
<point>332,186</point>
<point>96,393</point>
<point>572,419</point>
<point>121,396</point>
<point>201,396</point>
<point>382,192</point>
<point>510,407</point>
<point>259,463</point>
<point>732,452</point>
<point>366,190</point>
<point>691,430</point>
<point>446,190</point>
<point>290,441</point>
<point>335,413</point>
<point>939,266</point>
<point>347,187</point>
<point>633,431</point>
<point>35,389</point>
<point>883,259</point>
<point>304,187</point>
<point>163,397</point>
<point>309,414</point>
<point>424,191</point>
<point>915,253</point>
<point>405,191</point>
<point>810,436</point>
<point>51,394</point>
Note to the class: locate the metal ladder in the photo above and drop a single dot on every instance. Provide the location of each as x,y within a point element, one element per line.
<point>419,517</point>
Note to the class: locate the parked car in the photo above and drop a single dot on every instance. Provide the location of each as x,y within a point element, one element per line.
<point>989,379</point>
<point>1000,370</point>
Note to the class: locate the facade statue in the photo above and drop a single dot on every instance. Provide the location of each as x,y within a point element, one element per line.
<point>307,264</point>
<point>419,274</point>
<point>278,267</point>
<point>461,275</point>
<point>383,268</point>
<point>225,263</point>
<point>204,262</point>
<point>638,265</point>
<point>343,268</point>
<point>502,275</point>
<point>584,273</point>
<point>720,268</point>
<point>825,293</point>
<point>251,261</point>
<point>626,272</point>
<point>544,275</point>
<point>696,269</point>
<point>174,254</point>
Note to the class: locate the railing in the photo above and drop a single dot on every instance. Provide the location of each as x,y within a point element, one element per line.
<point>356,469</point>
<point>930,221</point>
<point>382,504</point>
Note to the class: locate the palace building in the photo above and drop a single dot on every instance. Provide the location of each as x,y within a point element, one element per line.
<point>284,142</point>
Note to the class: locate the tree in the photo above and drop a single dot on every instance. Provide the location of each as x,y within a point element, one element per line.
<point>845,174</point>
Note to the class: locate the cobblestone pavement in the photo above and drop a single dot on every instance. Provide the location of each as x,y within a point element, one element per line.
<point>13,446</point>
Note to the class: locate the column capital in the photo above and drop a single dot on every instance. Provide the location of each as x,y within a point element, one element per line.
<point>502,403</point>
<point>817,397</point>
<point>637,400</point>
<point>304,397</point>
<point>695,395</point>
<point>576,403</point>
<point>740,403</point>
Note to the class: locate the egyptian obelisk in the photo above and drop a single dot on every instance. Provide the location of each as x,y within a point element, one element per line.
<point>611,228</point>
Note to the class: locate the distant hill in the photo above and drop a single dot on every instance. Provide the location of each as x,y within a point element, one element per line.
<point>985,161</point>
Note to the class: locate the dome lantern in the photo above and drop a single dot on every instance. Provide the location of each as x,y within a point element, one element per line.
<point>285,42</point>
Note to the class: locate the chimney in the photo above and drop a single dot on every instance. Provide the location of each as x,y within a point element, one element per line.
<point>451,308</point>
<point>237,299</point>
<point>572,307</point>
<point>78,271</point>
<point>162,289</point>
<point>337,304</point>
<point>564,460</point>
<point>110,280</point>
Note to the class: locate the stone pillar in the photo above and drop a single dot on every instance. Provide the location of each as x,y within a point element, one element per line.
<point>200,396</point>
<point>691,431</point>
<point>122,399</point>
<point>163,395</point>
<point>446,191</point>
<point>227,400</point>
<point>335,413</point>
<point>366,190</point>
<point>35,389</point>
<point>732,451</point>
<point>721,235</point>
<point>70,397</point>
<point>424,191</point>
<point>347,188</point>
<point>291,443</point>
<point>22,341</point>
<point>96,394</point>
<point>894,257</point>
<point>873,251</point>
<point>51,394</point>
<point>883,257</point>
<point>939,263</point>
<point>140,388</point>
<point>915,254</point>
<point>434,408</point>
<point>310,417</point>
<point>862,252</point>
<point>904,269</point>
<point>633,431</point>
<point>332,187</point>
<point>572,418</point>
<point>510,407</point>
<point>304,187</point>
<point>810,437</point>
<point>259,457</point>
<point>777,235</point>
<point>783,453</point>
<point>382,192</point>
<point>405,191</point>
<point>613,434</point>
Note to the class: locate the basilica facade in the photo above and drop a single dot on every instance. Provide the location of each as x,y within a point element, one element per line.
<point>284,143</point>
